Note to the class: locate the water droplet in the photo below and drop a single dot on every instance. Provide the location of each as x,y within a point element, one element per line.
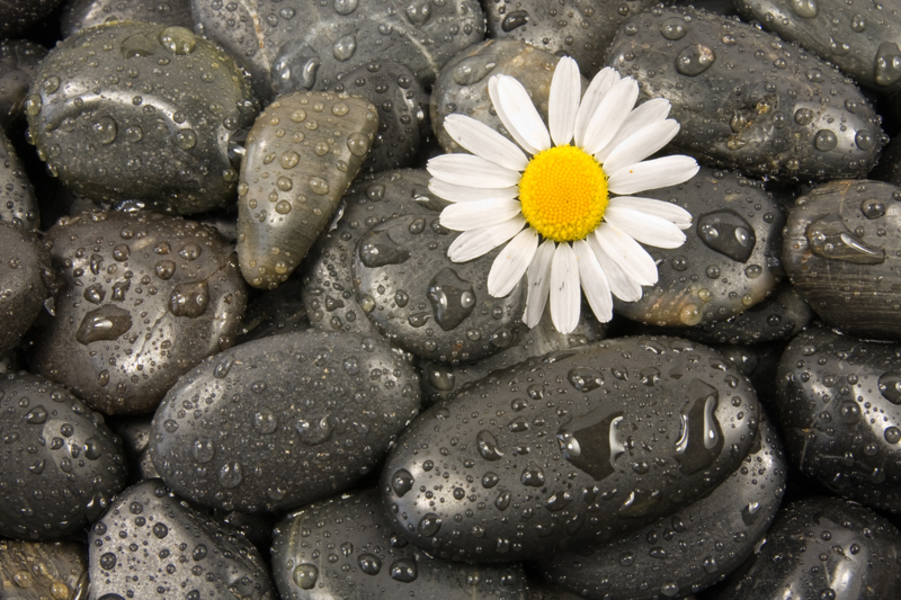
<point>369,563</point>
<point>695,59</point>
<point>750,513</point>
<point>872,208</point>
<point>402,482</point>
<point>231,474</point>
<point>488,446</point>
<point>33,104</point>
<point>108,561</point>
<point>673,28</point>
<point>593,442</point>
<point>378,249</point>
<point>403,570</point>
<point>429,524</point>
<point>888,63</point>
<point>314,431</point>
<point>203,450</point>
<point>825,140</point>
<point>185,139</point>
<point>514,19</point>
<point>473,69</point>
<point>139,45</point>
<point>803,116</point>
<point>419,11</point>
<point>160,530</point>
<point>345,7</point>
<point>178,40</point>
<point>345,47</point>
<point>829,238</point>
<point>806,9</point>
<point>36,416</point>
<point>532,475</point>
<point>727,233</point>
<point>105,130</point>
<point>319,186</point>
<point>890,386</point>
<point>189,299</point>
<point>585,379</point>
<point>452,298</point>
<point>305,576</point>
<point>105,323</point>
<point>701,438</point>
<point>289,159</point>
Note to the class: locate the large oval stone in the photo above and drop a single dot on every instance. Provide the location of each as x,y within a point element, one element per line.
<point>144,298</point>
<point>838,407</point>
<point>748,100</point>
<point>345,547</point>
<point>576,447</point>
<point>841,252</point>
<point>141,111</point>
<point>297,417</point>
<point>689,550</point>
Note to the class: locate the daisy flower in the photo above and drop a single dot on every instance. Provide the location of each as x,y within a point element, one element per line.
<point>561,197</point>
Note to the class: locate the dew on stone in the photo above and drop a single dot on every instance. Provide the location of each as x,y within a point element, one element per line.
<point>402,482</point>
<point>403,570</point>
<point>488,446</point>
<point>829,238</point>
<point>473,69</point>
<point>314,431</point>
<point>105,323</point>
<point>673,28</point>
<point>726,232</point>
<point>429,525</point>
<point>105,130</point>
<point>185,139</point>
<point>345,47</point>
<point>452,298</point>
<point>514,19</point>
<point>369,563</point>
<point>305,576</point>
<point>701,438</point>
<point>593,442</point>
<point>231,475</point>
<point>585,379</point>
<point>319,186</point>
<point>178,40</point>
<point>806,9</point>
<point>378,249</point>
<point>345,7</point>
<point>825,140</point>
<point>203,450</point>
<point>695,59</point>
<point>357,143</point>
<point>189,299</point>
<point>289,159</point>
<point>888,63</point>
<point>418,11</point>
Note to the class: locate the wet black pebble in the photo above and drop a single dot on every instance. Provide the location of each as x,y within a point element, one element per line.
<point>838,407</point>
<point>141,112</point>
<point>150,545</point>
<point>860,38</point>
<point>43,570</point>
<point>690,550</point>
<point>576,447</point>
<point>402,106</point>
<point>81,14</point>
<point>579,29</point>
<point>328,289</point>
<point>307,45</point>
<point>59,463</point>
<point>18,15</point>
<point>424,303</point>
<point>19,60</point>
<point>282,421</point>
<point>729,261</point>
<point>748,100</point>
<point>27,280</point>
<point>301,155</point>
<point>144,298</point>
<point>822,549</point>
<point>841,252</point>
<point>345,547</point>
<point>18,203</point>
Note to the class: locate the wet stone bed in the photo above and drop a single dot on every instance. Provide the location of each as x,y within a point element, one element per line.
<point>242,356</point>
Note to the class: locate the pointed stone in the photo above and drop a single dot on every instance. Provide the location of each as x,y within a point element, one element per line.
<point>302,154</point>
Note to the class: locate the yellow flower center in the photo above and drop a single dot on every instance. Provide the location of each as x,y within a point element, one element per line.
<point>563,192</point>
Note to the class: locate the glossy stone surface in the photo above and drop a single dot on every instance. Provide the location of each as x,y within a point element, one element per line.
<point>345,547</point>
<point>298,417</point>
<point>144,297</point>
<point>18,203</point>
<point>59,464</point>
<point>746,99</point>
<point>141,112</point>
<point>149,545</point>
<point>576,447</point>
<point>301,155</point>
<point>841,252</point>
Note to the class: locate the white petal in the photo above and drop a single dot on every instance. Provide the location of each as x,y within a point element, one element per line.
<point>652,174</point>
<point>460,193</point>
<point>476,242</point>
<point>511,264</point>
<point>644,228</point>
<point>472,171</point>
<point>610,115</point>
<point>597,89</point>
<point>652,111</point>
<point>657,208</point>
<point>563,102</point>
<point>518,113</point>
<point>642,144</point>
<point>484,141</point>
<point>594,282</point>
<point>566,295</point>
<point>627,253</point>
<point>621,285</point>
<point>539,276</point>
<point>479,213</point>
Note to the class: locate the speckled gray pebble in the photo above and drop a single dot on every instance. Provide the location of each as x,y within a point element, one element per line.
<point>59,464</point>
<point>576,447</point>
<point>144,297</point>
<point>426,304</point>
<point>838,406</point>
<point>729,262</point>
<point>328,290</point>
<point>345,547</point>
<point>141,112</point>
<point>297,418</point>
<point>748,100</point>
<point>841,252</point>
<point>150,545</point>
<point>690,550</point>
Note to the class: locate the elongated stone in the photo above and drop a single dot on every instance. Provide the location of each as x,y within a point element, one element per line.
<point>576,447</point>
<point>301,156</point>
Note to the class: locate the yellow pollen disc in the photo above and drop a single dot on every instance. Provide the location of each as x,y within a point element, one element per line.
<point>563,192</point>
